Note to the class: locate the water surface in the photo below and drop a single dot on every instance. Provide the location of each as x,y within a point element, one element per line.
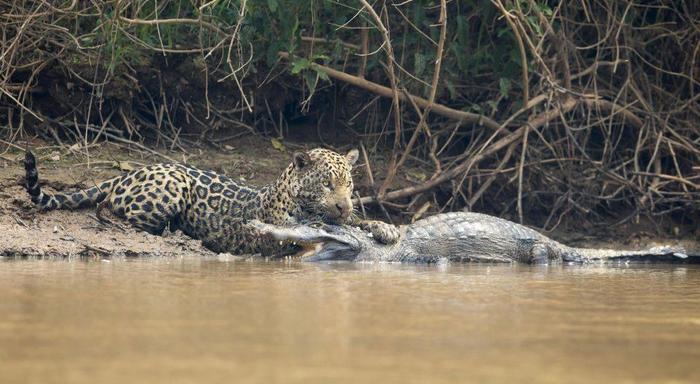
<point>219,320</point>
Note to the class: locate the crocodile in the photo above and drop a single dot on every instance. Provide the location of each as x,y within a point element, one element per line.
<point>452,237</point>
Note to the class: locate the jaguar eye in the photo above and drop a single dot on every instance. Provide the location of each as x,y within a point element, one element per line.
<point>327,183</point>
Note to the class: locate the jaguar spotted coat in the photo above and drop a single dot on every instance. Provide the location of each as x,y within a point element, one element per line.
<point>317,185</point>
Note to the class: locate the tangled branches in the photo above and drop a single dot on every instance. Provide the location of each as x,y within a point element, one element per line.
<point>90,70</point>
<point>521,107</point>
<point>605,115</point>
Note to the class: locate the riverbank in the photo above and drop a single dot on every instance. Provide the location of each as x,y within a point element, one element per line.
<point>25,232</point>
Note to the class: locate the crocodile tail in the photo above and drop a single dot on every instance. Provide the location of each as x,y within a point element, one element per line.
<point>588,254</point>
<point>49,201</point>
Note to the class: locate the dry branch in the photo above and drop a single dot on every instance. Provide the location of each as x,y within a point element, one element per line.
<point>394,81</point>
<point>464,117</point>
<point>431,101</point>
<point>537,122</point>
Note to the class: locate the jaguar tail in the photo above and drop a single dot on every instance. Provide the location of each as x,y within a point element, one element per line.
<point>70,200</point>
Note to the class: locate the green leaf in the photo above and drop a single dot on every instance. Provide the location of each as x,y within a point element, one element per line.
<point>504,85</point>
<point>320,56</point>
<point>419,63</point>
<point>311,81</point>
<point>544,8</point>
<point>272,4</point>
<point>493,105</point>
<point>299,64</point>
<point>323,76</point>
<point>462,30</point>
<point>277,144</point>
<point>460,53</point>
<point>534,24</point>
<point>272,53</point>
<point>451,89</point>
<point>503,31</point>
<point>416,175</point>
<point>418,13</point>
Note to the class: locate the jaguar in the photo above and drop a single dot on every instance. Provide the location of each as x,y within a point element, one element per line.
<point>316,186</point>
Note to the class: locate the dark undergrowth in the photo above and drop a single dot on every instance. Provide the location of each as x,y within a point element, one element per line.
<point>543,111</point>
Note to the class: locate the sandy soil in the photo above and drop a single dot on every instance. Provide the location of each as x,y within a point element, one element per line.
<point>25,232</point>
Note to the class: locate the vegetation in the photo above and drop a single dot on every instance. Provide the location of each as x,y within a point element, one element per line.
<point>520,107</point>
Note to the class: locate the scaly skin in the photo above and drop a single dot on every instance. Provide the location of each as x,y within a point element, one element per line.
<point>455,236</point>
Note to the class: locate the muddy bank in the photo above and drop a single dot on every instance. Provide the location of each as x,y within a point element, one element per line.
<point>26,232</point>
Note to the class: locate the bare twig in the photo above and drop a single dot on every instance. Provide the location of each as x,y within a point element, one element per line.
<point>394,81</point>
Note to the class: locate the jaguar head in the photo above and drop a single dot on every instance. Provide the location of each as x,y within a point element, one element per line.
<point>323,184</point>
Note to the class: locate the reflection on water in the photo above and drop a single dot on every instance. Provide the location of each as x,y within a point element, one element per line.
<point>195,320</point>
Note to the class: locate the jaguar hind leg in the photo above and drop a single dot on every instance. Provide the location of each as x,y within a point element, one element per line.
<point>99,213</point>
<point>153,216</point>
<point>150,200</point>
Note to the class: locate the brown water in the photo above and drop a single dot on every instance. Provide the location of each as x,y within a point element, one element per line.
<point>194,320</point>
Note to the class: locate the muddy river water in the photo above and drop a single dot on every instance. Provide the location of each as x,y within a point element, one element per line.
<point>221,320</point>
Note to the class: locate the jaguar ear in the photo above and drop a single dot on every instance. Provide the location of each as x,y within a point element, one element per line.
<point>301,160</point>
<point>352,156</point>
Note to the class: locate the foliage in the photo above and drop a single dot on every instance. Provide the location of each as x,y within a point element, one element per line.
<point>612,85</point>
